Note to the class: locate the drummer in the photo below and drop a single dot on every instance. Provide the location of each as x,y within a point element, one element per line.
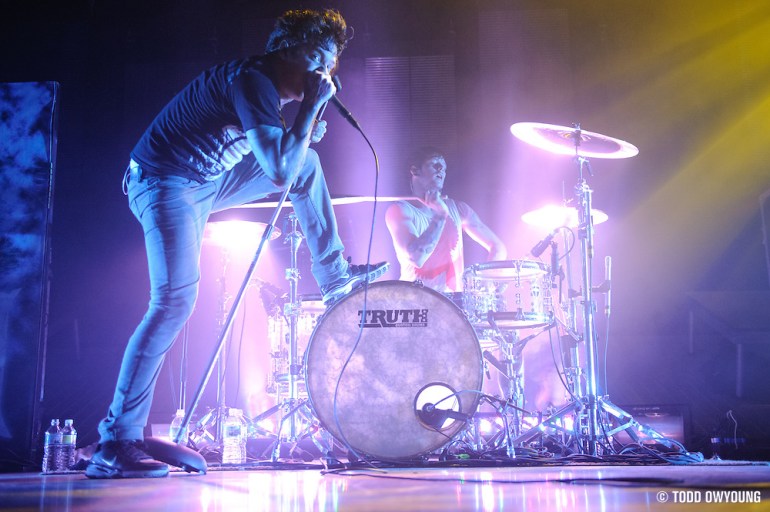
<point>427,230</point>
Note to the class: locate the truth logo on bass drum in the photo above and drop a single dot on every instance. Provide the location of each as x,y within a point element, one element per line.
<point>393,318</point>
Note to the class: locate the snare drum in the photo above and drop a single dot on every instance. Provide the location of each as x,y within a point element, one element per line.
<point>510,294</point>
<point>417,356</point>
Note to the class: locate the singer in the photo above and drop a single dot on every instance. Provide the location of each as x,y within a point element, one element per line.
<point>221,142</point>
<point>427,231</point>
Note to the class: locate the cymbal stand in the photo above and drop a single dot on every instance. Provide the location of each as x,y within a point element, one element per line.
<point>291,312</point>
<point>591,411</point>
<point>216,417</point>
<point>295,412</point>
<point>584,406</point>
<point>228,323</point>
<point>599,408</point>
<point>586,235</point>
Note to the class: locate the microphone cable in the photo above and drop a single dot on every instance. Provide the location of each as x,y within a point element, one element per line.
<point>346,114</point>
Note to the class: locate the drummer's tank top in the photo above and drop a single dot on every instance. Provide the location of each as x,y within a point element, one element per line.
<point>443,270</point>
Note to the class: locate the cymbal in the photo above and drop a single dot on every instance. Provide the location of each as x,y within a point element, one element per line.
<point>561,141</point>
<point>552,217</point>
<point>336,201</point>
<point>225,233</point>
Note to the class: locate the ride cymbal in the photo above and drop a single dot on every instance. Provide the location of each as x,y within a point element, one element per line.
<point>551,217</point>
<point>563,140</point>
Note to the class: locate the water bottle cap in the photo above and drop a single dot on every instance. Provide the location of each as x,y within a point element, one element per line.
<point>69,422</point>
<point>180,412</point>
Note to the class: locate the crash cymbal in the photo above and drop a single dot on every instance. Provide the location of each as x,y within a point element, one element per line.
<point>552,216</point>
<point>561,141</point>
<point>336,201</point>
<point>225,233</point>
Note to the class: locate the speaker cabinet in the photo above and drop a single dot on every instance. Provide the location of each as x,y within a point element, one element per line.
<point>28,114</point>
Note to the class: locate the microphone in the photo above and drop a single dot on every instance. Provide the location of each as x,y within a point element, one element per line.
<point>341,107</point>
<point>338,85</point>
<point>490,357</point>
<point>435,418</point>
<point>608,280</point>
<point>272,298</point>
<point>541,246</point>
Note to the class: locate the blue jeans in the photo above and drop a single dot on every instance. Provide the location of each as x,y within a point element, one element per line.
<point>173,212</point>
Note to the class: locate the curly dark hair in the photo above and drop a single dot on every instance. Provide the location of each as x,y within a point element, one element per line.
<point>306,26</point>
<point>419,155</point>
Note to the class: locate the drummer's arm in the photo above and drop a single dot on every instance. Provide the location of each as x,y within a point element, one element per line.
<point>416,247</point>
<point>481,234</point>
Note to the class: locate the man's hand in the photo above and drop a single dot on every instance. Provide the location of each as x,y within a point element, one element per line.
<point>319,130</point>
<point>318,88</point>
<point>435,202</point>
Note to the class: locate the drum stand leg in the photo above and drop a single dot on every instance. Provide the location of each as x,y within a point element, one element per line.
<point>289,433</point>
<point>512,349</point>
<point>227,324</point>
<point>297,421</point>
<point>214,419</point>
<point>511,368</point>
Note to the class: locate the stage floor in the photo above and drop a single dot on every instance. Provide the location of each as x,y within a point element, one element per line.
<point>574,487</point>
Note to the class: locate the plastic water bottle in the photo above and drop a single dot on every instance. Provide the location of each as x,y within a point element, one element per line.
<point>52,447</point>
<point>69,442</point>
<point>234,438</point>
<point>176,425</point>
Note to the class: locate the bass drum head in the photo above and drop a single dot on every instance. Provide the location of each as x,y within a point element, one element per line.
<point>416,348</point>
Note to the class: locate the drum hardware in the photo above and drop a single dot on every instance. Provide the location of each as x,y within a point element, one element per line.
<point>267,234</point>
<point>569,342</point>
<point>501,299</point>
<point>573,373</point>
<point>491,431</point>
<point>297,414</point>
<point>593,413</point>
<point>511,368</point>
<point>297,421</point>
<point>207,434</point>
<point>213,420</point>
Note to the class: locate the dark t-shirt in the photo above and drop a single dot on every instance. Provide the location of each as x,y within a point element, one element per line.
<point>201,132</point>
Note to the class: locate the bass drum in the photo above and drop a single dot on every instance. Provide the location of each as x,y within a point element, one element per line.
<point>414,376</point>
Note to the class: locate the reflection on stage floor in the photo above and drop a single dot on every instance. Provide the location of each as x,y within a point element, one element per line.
<point>722,485</point>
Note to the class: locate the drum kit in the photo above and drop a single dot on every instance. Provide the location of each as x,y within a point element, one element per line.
<point>396,371</point>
